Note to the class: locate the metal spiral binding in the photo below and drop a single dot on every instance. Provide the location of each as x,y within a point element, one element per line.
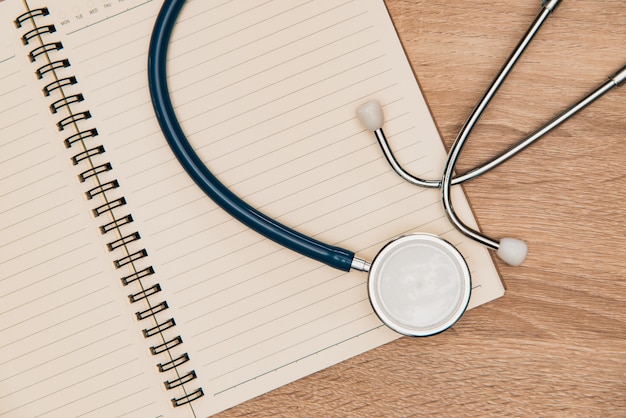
<point>125,244</point>
<point>66,101</point>
<point>31,15</point>
<point>44,49</point>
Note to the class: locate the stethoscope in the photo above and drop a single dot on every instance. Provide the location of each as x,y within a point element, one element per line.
<point>418,284</point>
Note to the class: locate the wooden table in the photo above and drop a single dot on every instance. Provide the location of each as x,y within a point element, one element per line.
<point>555,344</point>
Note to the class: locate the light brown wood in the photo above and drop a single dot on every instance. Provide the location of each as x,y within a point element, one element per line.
<point>555,344</point>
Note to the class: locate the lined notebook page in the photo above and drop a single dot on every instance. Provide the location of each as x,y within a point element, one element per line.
<point>66,347</point>
<point>266,91</point>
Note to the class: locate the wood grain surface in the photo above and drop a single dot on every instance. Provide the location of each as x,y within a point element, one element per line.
<point>555,344</point>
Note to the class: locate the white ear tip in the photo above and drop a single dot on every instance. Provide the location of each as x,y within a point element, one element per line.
<point>512,251</point>
<point>371,115</point>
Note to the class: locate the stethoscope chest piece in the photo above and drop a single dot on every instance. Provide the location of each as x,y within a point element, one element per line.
<point>419,285</point>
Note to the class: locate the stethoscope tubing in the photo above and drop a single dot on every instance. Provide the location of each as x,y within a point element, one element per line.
<point>333,256</point>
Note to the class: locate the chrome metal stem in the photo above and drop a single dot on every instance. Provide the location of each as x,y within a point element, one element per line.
<point>616,80</point>
<point>361,265</point>
<point>461,139</point>
<point>391,159</point>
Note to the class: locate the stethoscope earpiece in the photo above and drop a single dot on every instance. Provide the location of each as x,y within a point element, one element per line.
<point>371,115</point>
<point>512,251</point>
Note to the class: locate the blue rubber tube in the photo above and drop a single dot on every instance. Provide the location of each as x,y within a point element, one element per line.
<point>157,79</point>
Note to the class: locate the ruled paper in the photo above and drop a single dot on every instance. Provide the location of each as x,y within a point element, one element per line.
<point>266,91</point>
<point>66,348</point>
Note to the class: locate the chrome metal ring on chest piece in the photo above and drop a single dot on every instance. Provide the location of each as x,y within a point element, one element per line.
<point>419,285</point>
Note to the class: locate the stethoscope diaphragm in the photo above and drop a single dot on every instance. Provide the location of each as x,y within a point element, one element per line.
<point>419,285</point>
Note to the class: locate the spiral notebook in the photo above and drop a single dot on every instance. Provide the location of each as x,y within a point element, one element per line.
<point>125,292</point>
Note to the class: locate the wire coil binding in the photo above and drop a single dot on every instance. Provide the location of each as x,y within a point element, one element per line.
<point>43,49</point>
<point>125,245</point>
<point>30,15</point>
